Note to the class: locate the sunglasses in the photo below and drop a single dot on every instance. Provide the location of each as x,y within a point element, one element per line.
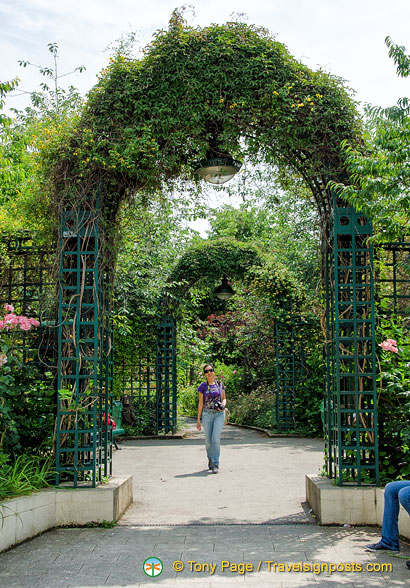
<point>207,371</point>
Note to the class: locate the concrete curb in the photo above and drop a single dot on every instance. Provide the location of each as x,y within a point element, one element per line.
<point>267,432</point>
<point>25,517</point>
<point>148,437</point>
<point>351,505</point>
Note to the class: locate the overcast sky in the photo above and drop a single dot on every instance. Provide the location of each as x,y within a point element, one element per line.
<point>345,37</point>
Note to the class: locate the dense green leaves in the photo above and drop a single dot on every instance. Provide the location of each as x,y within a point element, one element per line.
<point>394,399</point>
<point>214,259</point>
<point>380,175</point>
<point>148,120</point>
<point>26,406</point>
<point>277,214</point>
<point>29,142</point>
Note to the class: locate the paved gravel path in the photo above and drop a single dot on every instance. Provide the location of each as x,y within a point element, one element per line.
<point>252,513</point>
<point>260,479</point>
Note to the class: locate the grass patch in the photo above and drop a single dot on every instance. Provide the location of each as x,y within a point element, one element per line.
<point>26,474</point>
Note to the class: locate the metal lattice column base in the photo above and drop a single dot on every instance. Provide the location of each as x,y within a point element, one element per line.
<point>351,400</point>
<point>166,399</point>
<point>285,376</point>
<point>84,440</point>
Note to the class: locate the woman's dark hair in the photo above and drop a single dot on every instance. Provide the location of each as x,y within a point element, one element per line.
<point>210,365</point>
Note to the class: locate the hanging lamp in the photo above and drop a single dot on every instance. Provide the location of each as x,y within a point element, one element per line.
<point>218,166</point>
<point>218,170</point>
<point>224,291</point>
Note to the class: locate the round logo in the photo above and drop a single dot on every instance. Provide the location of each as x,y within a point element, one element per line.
<point>152,566</point>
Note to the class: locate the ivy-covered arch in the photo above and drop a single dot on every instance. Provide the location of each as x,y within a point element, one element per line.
<point>212,260</point>
<point>215,259</point>
<point>236,89</point>
<point>148,121</point>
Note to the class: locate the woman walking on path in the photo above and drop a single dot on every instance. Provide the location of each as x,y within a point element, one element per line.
<point>211,406</point>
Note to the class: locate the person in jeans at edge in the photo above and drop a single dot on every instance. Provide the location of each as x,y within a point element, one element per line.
<point>395,493</point>
<point>211,406</point>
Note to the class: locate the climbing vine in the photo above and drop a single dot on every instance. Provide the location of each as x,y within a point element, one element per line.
<point>148,120</point>
<point>212,260</point>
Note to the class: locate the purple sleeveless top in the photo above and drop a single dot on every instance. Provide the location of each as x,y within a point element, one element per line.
<point>211,393</point>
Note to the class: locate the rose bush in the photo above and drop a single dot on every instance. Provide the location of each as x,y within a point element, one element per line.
<point>26,394</point>
<point>394,399</point>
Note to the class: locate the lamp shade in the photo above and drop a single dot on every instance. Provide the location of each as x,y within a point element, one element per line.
<point>218,170</point>
<point>224,291</point>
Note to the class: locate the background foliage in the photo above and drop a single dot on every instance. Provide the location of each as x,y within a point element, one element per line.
<point>379,176</point>
<point>141,131</point>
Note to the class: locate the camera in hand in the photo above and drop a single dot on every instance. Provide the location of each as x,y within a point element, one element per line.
<point>218,405</point>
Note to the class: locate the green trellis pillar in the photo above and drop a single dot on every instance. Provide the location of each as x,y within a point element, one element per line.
<point>285,375</point>
<point>350,400</point>
<point>83,438</point>
<point>166,376</point>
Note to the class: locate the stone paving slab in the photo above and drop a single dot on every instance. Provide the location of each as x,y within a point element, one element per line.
<point>48,561</point>
<point>176,516</point>
<point>261,479</point>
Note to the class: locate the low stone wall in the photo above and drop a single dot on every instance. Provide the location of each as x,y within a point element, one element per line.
<point>354,505</point>
<point>24,517</point>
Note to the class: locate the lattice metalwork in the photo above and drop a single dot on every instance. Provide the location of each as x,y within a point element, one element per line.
<point>351,401</point>
<point>166,398</point>
<point>392,270</point>
<point>138,380</point>
<point>285,376</point>
<point>291,374</point>
<point>26,282</point>
<point>84,440</point>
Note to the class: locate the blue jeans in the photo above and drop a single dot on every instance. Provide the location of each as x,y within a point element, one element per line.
<point>395,493</point>
<point>213,421</point>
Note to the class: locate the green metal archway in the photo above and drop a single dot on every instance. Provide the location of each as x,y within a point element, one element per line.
<point>145,123</point>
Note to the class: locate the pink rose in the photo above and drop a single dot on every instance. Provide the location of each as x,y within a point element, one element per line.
<point>24,324</point>
<point>11,320</point>
<point>3,359</point>
<point>389,345</point>
<point>234,372</point>
<point>8,308</point>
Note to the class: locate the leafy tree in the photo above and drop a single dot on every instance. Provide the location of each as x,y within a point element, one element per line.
<point>281,220</point>
<point>154,236</point>
<point>27,140</point>
<point>380,175</point>
<point>54,99</point>
<point>10,171</point>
